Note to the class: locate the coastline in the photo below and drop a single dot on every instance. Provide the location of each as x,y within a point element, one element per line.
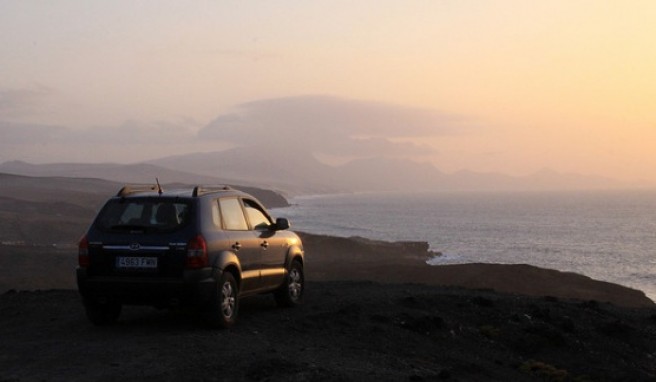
<point>332,258</point>
<point>597,234</point>
<point>355,258</point>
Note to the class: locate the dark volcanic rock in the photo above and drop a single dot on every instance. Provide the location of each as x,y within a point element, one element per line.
<point>346,331</point>
<point>338,258</point>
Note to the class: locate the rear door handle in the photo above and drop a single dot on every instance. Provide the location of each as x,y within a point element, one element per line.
<point>236,246</point>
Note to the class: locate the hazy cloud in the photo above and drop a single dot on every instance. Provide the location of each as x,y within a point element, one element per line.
<point>125,143</point>
<point>22,102</point>
<point>133,132</point>
<point>129,133</point>
<point>22,133</point>
<point>330,125</point>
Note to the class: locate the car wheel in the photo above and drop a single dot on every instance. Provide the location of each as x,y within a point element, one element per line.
<point>102,313</point>
<point>224,308</point>
<point>291,292</point>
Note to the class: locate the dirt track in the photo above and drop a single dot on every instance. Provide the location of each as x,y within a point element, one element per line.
<point>345,331</point>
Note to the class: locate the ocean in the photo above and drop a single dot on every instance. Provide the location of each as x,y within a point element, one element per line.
<point>606,235</point>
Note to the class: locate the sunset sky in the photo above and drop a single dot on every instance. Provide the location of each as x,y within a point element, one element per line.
<point>490,86</point>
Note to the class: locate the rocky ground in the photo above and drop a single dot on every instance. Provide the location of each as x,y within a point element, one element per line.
<point>355,331</point>
<point>412,322</point>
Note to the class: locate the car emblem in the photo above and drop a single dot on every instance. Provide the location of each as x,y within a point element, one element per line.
<point>134,247</point>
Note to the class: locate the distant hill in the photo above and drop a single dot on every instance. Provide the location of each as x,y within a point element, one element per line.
<point>140,173</point>
<point>58,210</point>
<point>389,174</point>
<point>84,192</point>
<point>124,173</point>
<point>295,171</point>
<point>49,210</point>
<point>298,171</point>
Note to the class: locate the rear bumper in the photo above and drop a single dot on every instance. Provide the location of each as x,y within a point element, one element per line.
<point>195,288</point>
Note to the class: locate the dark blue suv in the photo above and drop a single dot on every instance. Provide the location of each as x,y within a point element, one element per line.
<point>206,246</point>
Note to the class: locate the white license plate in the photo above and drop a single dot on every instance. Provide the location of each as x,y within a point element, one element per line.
<point>136,262</point>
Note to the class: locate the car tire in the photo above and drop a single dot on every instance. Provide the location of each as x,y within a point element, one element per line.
<point>225,306</point>
<point>102,313</point>
<point>291,292</point>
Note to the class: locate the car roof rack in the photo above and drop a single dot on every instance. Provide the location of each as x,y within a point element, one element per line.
<point>201,190</point>
<point>132,188</point>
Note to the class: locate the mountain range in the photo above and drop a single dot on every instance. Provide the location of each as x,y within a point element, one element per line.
<point>295,172</point>
<point>299,172</point>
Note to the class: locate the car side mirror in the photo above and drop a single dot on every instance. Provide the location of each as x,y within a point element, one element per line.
<point>282,224</point>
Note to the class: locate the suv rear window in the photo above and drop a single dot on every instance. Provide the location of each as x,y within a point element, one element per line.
<point>148,215</point>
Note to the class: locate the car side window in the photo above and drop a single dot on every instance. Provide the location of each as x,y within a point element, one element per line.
<point>232,214</point>
<point>216,215</point>
<point>257,217</point>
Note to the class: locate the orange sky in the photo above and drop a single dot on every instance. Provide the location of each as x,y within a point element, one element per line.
<point>567,85</point>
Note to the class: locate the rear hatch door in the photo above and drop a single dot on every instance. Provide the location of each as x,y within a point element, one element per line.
<point>141,237</point>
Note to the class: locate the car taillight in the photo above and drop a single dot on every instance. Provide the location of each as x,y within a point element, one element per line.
<point>196,253</point>
<point>83,252</point>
